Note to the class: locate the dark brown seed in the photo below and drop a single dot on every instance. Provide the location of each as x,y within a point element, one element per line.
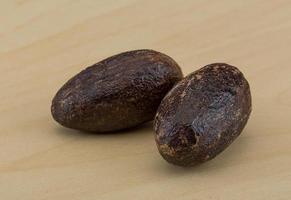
<point>119,92</point>
<point>202,115</point>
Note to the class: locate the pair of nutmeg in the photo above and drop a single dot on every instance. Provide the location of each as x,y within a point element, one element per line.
<point>196,117</point>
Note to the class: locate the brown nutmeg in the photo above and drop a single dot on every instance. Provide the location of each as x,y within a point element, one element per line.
<point>119,92</point>
<point>202,115</point>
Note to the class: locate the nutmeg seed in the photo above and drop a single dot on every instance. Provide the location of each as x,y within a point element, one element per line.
<point>202,115</point>
<point>119,92</point>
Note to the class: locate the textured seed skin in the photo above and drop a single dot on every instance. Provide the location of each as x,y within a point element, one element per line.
<point>202,115</point>
<point>119,92</point>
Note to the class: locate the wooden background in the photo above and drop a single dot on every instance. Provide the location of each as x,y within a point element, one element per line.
<point>45,42</point>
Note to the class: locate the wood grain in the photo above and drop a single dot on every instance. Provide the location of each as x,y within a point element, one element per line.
<point>43,43</point>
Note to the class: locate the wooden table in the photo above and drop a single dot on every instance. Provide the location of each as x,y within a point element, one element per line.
<point>43,43</point>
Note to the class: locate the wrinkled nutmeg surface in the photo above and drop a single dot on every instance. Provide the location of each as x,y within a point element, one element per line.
<point>202,115</point>
<point>119,92</point>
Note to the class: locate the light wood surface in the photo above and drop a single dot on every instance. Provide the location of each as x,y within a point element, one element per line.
<point>45,42</point>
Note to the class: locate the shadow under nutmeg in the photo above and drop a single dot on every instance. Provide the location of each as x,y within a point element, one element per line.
<point>145,127</point>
